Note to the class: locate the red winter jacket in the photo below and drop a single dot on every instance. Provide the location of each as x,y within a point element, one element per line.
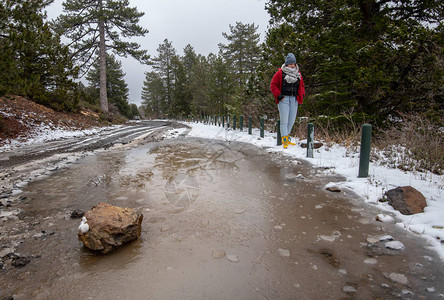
<point>276,87</point>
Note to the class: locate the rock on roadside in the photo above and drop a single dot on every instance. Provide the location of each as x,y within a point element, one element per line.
<point>110,227</point>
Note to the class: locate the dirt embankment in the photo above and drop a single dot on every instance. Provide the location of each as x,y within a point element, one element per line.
<point>20,116</point>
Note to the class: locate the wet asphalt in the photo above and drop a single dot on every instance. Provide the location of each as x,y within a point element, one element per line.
<point>221,221</point>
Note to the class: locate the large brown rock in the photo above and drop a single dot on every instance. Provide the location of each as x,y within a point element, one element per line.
<point>407,200</point>
<point>110,227</point>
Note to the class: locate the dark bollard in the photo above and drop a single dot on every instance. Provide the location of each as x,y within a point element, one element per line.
<point>234,122</point>
<point>250,122</point>
<point>364,158</point>
<point>310,140</point>
<point>262,128</point>
<point>223,121</point>
<point>278,130</point>
<point>241,123</point>
<point>228,122</point>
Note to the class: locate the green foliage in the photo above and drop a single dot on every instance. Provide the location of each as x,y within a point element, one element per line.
<point>80,23</point>
<point>33,62</point>
<point>376,58</point>
<point>96,26</point>
<point>199,85</point>
<point>153,94</point>
<point>117,88</point>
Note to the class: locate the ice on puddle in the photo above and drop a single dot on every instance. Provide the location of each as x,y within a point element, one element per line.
<point>372,240</point>
<point>218,253</point>
<point>370,261</point>
<point>431,289</point>
<point>349,289</point>
<point>233,258</point>
<point>332,237</point>
<point>385,218</point>
<point>284,252</point>
<point>395,245</point>
<point>399,278</point>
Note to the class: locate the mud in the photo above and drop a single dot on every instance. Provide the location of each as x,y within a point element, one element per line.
<point>221,221</point>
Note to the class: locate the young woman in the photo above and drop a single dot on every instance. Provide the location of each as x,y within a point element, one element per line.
<point>288,89</point>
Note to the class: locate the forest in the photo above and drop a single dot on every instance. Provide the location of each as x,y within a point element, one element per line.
<point>362,61</point>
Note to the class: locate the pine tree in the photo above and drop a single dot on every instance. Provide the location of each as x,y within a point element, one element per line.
<point>116,87</point>
<point>220,85</point>
<point>163,64</point>
<point>96,26</point>
<point>200,87</point>
<point>153,94</point>
<point>33,62</point>
<point>242,52</point>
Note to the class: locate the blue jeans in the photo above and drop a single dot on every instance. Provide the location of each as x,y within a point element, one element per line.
<point>288,108</point>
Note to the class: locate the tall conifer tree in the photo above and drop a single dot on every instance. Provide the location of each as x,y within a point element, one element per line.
<point>96,26</point>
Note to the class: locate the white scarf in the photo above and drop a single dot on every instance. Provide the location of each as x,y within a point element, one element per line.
<point>293,74</point>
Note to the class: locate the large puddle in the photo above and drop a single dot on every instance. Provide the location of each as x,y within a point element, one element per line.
<point>221,221</point>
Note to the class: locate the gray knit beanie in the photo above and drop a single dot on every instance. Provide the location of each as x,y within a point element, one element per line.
<point>290,59</point>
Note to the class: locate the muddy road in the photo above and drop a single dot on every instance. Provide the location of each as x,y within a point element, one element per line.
<point>221,221</point>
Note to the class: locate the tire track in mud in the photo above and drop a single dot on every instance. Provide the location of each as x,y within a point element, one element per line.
<point>22,165</point>
<point>104,139</point>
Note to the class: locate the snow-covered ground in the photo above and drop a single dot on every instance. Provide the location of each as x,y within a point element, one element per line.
<point>339,160</point>
<point>333,159</point>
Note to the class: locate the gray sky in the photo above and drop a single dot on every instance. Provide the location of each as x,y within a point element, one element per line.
<point>199,23</point>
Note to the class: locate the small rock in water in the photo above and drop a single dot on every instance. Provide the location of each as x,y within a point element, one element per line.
<point>277,227</point>
<point>333,189</point>
<point>372,240</point>
<point>343,271</point>
<point>406,292</point>
<point>19,261</point>
<point>419,266</point>
<point>399,278</point>
<point>395,245</point>
<point>218,253</point>
<point>349,289</point>
<point>77,214</point>
<point>431,289</point>
<point>233,258</point>
<point>370,261</point>
<point>284,252</point>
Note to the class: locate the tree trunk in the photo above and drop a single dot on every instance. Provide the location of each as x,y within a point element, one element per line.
<point>102,58</point>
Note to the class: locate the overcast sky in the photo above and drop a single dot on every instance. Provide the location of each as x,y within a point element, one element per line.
<point>199,23</point>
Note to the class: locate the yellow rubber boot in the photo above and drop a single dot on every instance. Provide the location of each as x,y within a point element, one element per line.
<point>285,142</point>
<point>289,141</point>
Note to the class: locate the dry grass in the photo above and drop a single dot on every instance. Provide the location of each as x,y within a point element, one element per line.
<point>414,143</point>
